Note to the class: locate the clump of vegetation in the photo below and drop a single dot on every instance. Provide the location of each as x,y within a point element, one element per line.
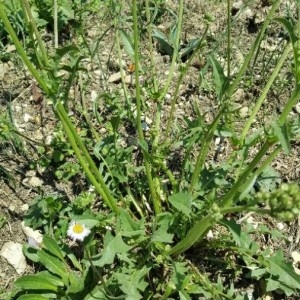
<point>151,194</point>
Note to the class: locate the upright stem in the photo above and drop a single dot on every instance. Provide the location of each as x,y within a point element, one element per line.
<point>36,32</point>
<point>265,91</point>
<point>21,50</point>
<point>176,50</point>
<point>204,150</point>
<point>80,150</point>
<point>227,198</point>
<point>55,23</point>
<point>155,197</point>
<point>254,46</point>
<point>228,37</point>
<point>289,106</point>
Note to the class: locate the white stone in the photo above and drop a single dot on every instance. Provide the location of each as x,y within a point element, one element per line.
<point>297,108</point>
<point>35,181</point>
<point>280,226</point>
<point>24,207</point>
<point>94,95</point>
<point>116,77</point>
<point>27,117</point>
<point>244,111</point>
<point>13,253</point>
<point>32,234</point>
<point>296,258</point>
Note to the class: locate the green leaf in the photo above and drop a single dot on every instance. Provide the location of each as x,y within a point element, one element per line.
<point>164,42</point>
<point>52,246</point>
<point>272,284</point>
<point>163,223</point>
<point>258,273</point>
<point>126,226</point>
<point>269,179</point>
<point>241,238</point>
<point>182,202</point>
<point>54,265</point>
<point>128,45</point>
<point>76,283</point>
<point>132,281</point>
<point>74,261</point>
<point>179,274</point>
<point>60,52</point>
<point>96,294</point>
<point>161,235</point>
<point>32,297</point>
<point>38,282</point>
<point>190,48</point>
<point>220,80</point>
<point>112,247</point>
<point>284,271</point>
<point>145,148</point>
<point>87,220</point>
<point>173,34</point>
<point>281,133</point>
<point>31,253</point>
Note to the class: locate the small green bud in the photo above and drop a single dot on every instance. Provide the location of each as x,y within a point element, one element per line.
<point>284,202</point>
<point>215,211</point>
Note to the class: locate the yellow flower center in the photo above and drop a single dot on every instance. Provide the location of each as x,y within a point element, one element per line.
<point>78,228</point>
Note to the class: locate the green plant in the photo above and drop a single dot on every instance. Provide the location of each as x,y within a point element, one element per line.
<point>139,238</point>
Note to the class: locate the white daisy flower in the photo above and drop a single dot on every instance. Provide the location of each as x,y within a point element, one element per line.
<point>77,231</point>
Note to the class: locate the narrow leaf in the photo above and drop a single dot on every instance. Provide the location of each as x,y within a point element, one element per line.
<point>128,45</point>
<point>163,41</point>
<point>51,246</point>
<point>281,133</point>
<point>32,297</point>
<point>220,79</point>
<point>36,282</point>
<point>54,265</point>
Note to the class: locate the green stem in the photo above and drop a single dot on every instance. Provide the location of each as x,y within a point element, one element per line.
<point>22,52</point>
<point>244,208</point>
<point>155,197</point>
<point>175,52</point>
<point>265,91</point>
<point>33,26</point>
<point>86,161</point>
<point>135,203</point>
<point>197,231</point>
<point>178,85</point>
<point>150,46</point>
<point>228,37</point>
<point>200,228</point>
<point>204,150</point>
<point>85,112</point>
<point>227,198</point>
<point>254,46</point>
<point>55,23</point>
<point>182,75</point>
<point>77,144</point>
<point>289,106</point>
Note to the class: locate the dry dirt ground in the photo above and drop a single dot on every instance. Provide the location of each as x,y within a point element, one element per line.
<point>22,178</point>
